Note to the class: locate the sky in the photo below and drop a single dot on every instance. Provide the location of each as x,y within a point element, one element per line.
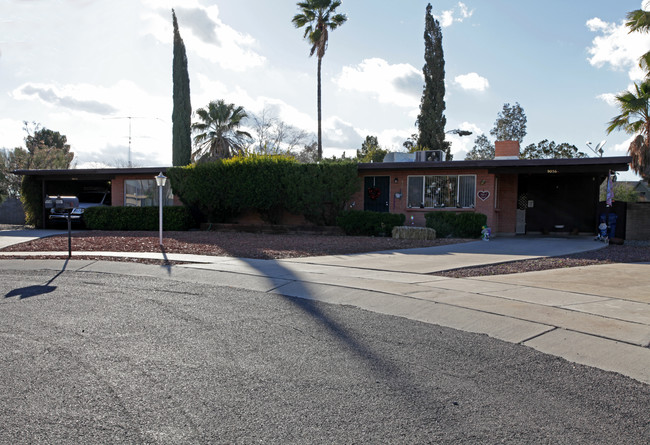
<point>99,71</point>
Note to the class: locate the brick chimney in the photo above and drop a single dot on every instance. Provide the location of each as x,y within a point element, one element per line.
<point>506,150</point>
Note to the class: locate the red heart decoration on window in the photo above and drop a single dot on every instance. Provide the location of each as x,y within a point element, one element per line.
<point>483,195</point>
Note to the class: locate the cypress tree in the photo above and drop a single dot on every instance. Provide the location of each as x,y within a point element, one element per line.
<point>431,120</point>
<point>182,112</point>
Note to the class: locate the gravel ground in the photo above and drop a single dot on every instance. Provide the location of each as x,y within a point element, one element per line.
<point>265,246</point>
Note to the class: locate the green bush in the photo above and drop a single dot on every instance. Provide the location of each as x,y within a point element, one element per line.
<point>469,225</point>
<point>222,189</point>
<point>137,218</point>
<point>442,222</point>
<point>365,223</point>
<point>458,225</point>
<point>30,196</point>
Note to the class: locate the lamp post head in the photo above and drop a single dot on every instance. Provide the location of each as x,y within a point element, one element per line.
<point>161,180</point>
<point>459,132</point>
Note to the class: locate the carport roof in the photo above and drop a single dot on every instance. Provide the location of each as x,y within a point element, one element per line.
<point>91,173</point>
<point>524,166</point>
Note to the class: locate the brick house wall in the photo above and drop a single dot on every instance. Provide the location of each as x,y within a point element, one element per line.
<point>484,199</point>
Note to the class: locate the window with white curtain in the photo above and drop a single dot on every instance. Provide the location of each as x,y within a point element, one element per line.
<point>439,191</point>
<point>144,193</point>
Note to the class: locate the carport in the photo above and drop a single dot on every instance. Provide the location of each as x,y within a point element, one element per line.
<point>76,182</point>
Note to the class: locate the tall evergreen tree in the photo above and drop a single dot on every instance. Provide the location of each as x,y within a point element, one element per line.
<point>182,112</point>
<point>431,120</point>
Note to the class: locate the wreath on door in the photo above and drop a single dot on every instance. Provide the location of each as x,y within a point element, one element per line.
<point>374,192</point>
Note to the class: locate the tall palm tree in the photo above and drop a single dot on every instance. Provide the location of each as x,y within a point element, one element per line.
<point>217,134</point>
<point>635,119</point>
<point>318,17</point>
<point>639,20</point>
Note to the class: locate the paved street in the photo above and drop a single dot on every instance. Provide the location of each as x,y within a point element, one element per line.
<point>185,355</point>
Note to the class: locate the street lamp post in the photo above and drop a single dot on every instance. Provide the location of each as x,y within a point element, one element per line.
<point>160,180</point>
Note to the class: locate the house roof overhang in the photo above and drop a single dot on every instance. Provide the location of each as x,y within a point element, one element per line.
<point>511,166</point>
<point>90,173</point>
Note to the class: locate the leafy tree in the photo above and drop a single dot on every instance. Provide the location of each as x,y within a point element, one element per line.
<point>318,17</point>
<point>274,137</point>
<point>623,192</point>
<point>550,150</point>
<point>483,149</point>
<point>635,119</point>
<point>182,112</point>
<point>431,120</point>
<point>217,134</point>
<point>45,149</point>
<point>308,154</point>
<point>510,124</point>
<point>371,151</point>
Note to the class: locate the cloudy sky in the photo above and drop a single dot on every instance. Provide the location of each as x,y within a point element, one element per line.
<point>83,67</point>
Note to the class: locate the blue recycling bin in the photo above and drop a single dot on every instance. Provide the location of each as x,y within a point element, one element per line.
<point>611,223</point>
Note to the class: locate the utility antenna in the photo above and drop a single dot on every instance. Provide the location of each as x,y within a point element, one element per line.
<point>130,118</point>
<point>599,148</point>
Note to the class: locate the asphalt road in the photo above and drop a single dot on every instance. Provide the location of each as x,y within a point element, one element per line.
<point>99,358</point>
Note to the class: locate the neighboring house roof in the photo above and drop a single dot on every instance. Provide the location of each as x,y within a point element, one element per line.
<point>575,165</point>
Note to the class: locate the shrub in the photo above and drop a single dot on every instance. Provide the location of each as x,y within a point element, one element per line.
<point>366,223</point>
<point>441,222</point>
<point>137,218</point>
<point>469,225</point>
<point>459,225</point>
<point>222,189</point>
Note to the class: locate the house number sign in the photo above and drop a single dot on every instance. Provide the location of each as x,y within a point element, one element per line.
<point>483,194</point>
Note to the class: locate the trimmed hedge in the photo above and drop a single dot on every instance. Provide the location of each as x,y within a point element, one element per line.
<point>222,189</point>
<point>458,225</point>
<point>366,223</point>
<point>137,218</point>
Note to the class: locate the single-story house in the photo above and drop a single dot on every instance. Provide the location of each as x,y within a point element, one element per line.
<point>518,196</point>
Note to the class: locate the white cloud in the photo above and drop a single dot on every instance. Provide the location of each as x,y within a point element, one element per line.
<point>472,81</point>
<point>608,98</point>
<point>617,47</point>
<point>399,84</point>
<point>205,35</point>
<point>458,14</point>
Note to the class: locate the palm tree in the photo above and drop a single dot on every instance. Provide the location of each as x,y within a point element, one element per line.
<point>635,119</point>
<point>318,17</point>
<point>639,20</point>
<point>217,134</point>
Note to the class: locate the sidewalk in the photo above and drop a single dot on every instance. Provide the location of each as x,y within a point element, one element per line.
<point>595,315</point>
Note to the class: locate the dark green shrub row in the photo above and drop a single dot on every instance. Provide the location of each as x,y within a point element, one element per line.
<point>365,223</point>
<point>137,218</point>
<point>458,225</point>
<point>222,189</point>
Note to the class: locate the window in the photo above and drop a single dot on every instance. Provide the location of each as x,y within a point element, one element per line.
<point>144,193</point>
<point>438,191</point>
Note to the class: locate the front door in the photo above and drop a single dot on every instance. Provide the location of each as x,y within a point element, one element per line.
<point>377,193</point>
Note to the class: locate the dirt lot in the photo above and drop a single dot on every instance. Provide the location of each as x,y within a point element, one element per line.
<point>265,246</point>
